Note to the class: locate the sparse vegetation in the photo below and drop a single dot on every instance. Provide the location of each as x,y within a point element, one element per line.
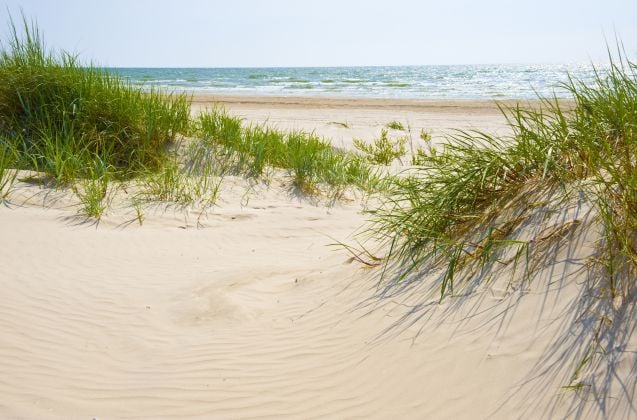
<point>395,125</point>
<point>139,212</point>
<point>383,151</point>
<point>421,155</point>
<point>186,179</point>
<point>310,160</point>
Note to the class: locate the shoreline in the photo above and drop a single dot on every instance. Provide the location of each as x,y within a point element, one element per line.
<point>473,106</point>
<point>343,119</point>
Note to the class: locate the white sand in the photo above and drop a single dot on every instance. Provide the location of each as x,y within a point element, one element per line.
<point>246,313</point>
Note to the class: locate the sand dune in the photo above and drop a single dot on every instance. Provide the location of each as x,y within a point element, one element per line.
<point>246,312</point>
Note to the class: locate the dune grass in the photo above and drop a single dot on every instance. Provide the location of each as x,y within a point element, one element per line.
<point>451,210</point>
<point>63,117</point>
<point>87,128</point>
<point>311,161</point>
<point>471,208</point>
<point>79,124</point>
<point>93,189</point>
<point>420,155</point>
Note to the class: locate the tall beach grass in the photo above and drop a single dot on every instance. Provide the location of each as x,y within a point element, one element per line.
<point>62,116</point>
<point>86,128</point>
<point>312,162</point>
<point>457,201</point>
<point>485,206</point>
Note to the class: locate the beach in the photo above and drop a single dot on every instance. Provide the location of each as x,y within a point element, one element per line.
<point>343,119</point>
<point>251,309</point>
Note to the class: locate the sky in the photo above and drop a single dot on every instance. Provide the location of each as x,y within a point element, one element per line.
<point>280,33</point>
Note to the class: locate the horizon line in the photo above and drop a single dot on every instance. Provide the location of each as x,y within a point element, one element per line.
<point>572,63</point>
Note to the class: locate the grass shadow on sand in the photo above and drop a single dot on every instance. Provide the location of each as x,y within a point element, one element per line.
<point>585,369</point>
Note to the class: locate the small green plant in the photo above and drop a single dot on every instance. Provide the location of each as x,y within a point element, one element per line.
<point>426,153</point>
<point>92,197</point>
<point>383,151</point>
<point>93,191</point>
<point>395,125</point>
<point>342,124</point>
<point>422,155</point>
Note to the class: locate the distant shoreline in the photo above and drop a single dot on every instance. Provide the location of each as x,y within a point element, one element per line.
<point>471,106</point>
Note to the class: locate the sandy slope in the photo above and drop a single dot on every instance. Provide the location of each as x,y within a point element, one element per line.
<point>244,312</point>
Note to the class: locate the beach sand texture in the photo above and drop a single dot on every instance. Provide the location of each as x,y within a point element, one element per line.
<point>246,312</point>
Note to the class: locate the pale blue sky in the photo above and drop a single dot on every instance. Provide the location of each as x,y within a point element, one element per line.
<point>191,33</point>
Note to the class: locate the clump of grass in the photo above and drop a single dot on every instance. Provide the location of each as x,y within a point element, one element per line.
<point>310,160</point>
<point>441,212</point>
<point>604,125</point>
<point>383,151</point>
<point>62,116</point>
<point>395,125</point>
<point>431,215</point>
<point>79,124</point>
<point>463,209</point>
<point>93,190</point>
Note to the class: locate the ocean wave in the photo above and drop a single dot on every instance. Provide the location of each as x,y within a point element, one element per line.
<point>397,84</point>
<point>475,81</point>
<point>306,86</point>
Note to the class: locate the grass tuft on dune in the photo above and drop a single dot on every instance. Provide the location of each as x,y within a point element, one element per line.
<point>454,200</point>
<point>310,160</point>
<point>482,207</point>
<point>62,117</point>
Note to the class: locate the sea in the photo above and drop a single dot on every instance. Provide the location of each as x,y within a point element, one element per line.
<point>502,81</point>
